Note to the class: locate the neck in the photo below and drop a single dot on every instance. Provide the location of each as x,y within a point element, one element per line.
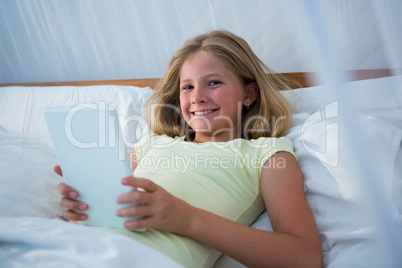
<point>223,136</point>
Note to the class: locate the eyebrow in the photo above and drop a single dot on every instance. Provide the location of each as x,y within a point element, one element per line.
<point>205,76</point>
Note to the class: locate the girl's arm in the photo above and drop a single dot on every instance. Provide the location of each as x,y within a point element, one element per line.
<point>293,243</point>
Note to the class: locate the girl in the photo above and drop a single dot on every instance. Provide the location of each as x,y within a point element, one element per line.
<point>216,135</point>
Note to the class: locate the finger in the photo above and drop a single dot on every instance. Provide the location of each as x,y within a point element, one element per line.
<point>134,196</point>
<point>145,222</point>
<point>57,169</point>
<point>134,211</point>
<point>66,190</point>
<point>73,204</point>
<point>74,216</point>
<point>145,184</point>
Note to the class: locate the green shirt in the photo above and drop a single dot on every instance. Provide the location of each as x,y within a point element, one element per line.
<point>220,177</point>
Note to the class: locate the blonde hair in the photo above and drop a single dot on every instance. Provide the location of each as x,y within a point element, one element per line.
<point>268,116</point>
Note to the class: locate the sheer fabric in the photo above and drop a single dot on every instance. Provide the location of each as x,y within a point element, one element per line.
<point>69,40</point>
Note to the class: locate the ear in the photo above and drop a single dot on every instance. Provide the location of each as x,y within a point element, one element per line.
<point>251,94</point>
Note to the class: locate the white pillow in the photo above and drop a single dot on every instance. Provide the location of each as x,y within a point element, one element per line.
<point>341,198</point>
<point>380,97</point>
<point>22,108</point>
<point>27,181</point>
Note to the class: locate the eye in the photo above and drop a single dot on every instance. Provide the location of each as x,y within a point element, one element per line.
<point>187,87</point>
<point>214,83</point>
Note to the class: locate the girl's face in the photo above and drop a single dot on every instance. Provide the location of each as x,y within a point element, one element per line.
<point>211,98</point>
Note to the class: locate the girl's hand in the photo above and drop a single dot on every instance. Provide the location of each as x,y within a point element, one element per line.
<point>157,207</point>
<point>69,201</point>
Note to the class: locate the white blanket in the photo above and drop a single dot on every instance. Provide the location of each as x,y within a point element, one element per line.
<point>40,242</point>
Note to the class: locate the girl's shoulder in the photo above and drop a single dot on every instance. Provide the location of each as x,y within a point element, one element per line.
<point>265,147</point>
<point>271,141</point>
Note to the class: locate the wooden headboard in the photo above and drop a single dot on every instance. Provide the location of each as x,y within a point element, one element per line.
<point>302,79</point>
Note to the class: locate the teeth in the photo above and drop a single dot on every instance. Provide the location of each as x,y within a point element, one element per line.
<point>203,112</point>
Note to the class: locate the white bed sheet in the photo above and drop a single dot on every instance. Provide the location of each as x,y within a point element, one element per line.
<point>346,223</point>
<point>42,242</point>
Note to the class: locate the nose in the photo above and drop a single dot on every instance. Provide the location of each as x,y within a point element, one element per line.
<point>198,95</point>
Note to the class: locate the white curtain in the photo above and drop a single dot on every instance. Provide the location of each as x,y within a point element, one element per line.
<point>66,40</point>
<point>331,57</point>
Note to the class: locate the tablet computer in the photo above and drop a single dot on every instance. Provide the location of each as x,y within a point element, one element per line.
<point>93,157</point>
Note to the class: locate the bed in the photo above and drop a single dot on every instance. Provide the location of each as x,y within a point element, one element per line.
<point>32,233</point>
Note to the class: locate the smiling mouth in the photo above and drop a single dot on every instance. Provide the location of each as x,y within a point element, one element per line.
<point>205,112</point>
